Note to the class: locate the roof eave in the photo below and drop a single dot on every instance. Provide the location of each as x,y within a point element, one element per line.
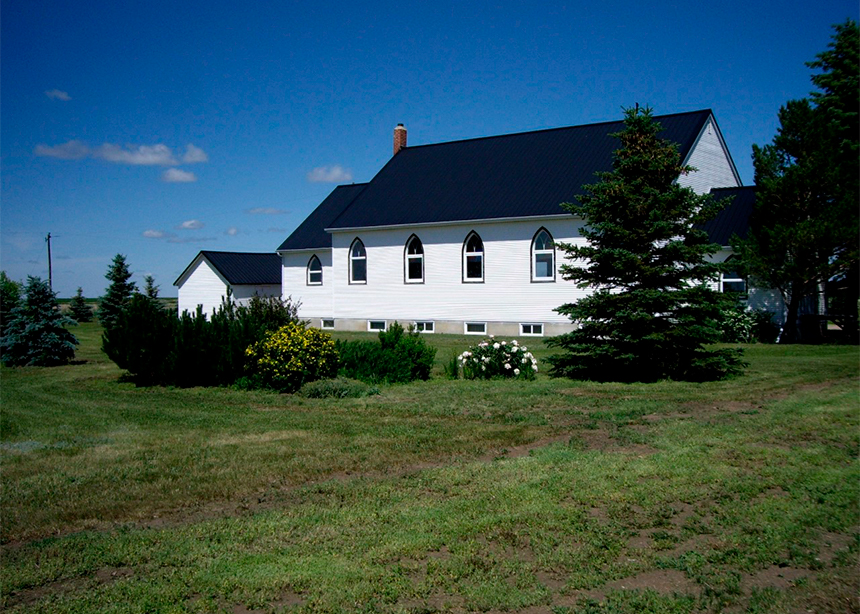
<point>454,222</point>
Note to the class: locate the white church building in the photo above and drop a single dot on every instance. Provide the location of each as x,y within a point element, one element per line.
<point>459,237</point>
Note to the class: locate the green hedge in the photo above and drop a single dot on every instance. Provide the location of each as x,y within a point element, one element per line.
<point>399,356</point>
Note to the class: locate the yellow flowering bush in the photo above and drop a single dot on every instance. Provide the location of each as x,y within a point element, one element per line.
<point>291,356</point>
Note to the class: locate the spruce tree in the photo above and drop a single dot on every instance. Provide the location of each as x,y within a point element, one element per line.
<point>36,334</point>
<point>10,296</point>
<point>81,312</point>
<point>651,312</point>
<point>150,289</point>
<point>119,291</point>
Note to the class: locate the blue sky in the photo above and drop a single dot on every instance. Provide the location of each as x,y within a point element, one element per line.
<point>157,129</point>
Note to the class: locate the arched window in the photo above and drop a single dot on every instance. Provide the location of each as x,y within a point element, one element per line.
<point>543,256</point>
<point>314,271</point>
<point>414,261</point>
<point>731,280</point>
<point>357,263</point>
<point>473,258</point>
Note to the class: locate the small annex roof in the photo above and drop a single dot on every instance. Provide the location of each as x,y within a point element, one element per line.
<point>311,233</point>
<point>242,268</point>
<point>735,218</point>
<point>500,177</point>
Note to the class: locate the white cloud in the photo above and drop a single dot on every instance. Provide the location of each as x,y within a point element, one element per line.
<point>232,231</point>
<point>191,225</point>
<point>58,95</point>
<point>266,211</point>
<point>72,150</point>
<point>145,155</point>
<point>194,155</point>
<point>330,174</point>
<point>175,175</point>
<point>156,234</point>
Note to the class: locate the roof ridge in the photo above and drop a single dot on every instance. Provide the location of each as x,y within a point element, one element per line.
<point>221,251</point>
<point>557,128</point>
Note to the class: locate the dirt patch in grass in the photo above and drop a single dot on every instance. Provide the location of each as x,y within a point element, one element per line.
<point>664,581</point>
<point>523,450</point>
<point>30,596</point>
<point>286,601</point>
<point>830,545</point>
<point>774,576</point>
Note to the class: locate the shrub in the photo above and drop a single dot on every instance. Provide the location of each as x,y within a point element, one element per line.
<point>191,350</point>
<point>741,325</point>
<point>400,356</point>
<point>337,388</point>
<point>293,355</point>
<point>36,334</point>
<point>491,358</point>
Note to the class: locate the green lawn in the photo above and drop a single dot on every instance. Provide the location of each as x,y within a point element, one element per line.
<point>545,496</point>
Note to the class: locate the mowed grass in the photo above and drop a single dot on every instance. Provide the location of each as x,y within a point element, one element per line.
<point>544,496</point>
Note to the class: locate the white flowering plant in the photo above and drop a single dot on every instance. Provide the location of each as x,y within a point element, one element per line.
<point>491,358</point>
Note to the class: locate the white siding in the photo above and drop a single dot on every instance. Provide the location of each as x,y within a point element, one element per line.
<point>506,295</point>
<point>202,286</point>
<point>757,298</point>
<point>316,301</point>
<point>711,160</point>
<point>242,294</point>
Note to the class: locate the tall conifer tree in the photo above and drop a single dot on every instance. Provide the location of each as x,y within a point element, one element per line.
<point>119,291</point>
<point>651,312</point>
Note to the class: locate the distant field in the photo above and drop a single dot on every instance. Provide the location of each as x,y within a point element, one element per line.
<point>545,496</point>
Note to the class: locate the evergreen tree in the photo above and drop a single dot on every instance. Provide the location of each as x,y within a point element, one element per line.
<point>805,226</point>
<point>36,335</point>
<point>150,289</point>
<point>81,312</point>
<point>119,291</point>
<point>651,312</point>
<point>10,296</point>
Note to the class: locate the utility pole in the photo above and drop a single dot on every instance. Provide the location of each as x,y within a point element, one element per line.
<point>50,272</point>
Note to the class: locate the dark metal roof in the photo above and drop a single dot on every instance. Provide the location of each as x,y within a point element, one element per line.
<point>509,176</point>
<point>311,233</point>
<point>735,218</point>
<point>243,268</point>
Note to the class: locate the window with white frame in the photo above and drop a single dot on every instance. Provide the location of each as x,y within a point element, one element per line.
<point>315,271</point>
<point>414,261</point>
<point>473,258</point>
<point>326,324</point>
<point>425,327</point>
<point>531,330</point>
<point>357,263</point>
<point>732,281</point>
<point>543,256</point>
<point>475,328</point>
<point>377,325</point>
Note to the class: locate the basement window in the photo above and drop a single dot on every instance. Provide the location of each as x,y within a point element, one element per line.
<point>327,324</point>
<point>531,330</point>
<point>425,327</point>
<point>377,325</point>
<point>475,328</point>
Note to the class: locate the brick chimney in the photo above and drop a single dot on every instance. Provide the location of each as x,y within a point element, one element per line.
<point>399,138</point>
